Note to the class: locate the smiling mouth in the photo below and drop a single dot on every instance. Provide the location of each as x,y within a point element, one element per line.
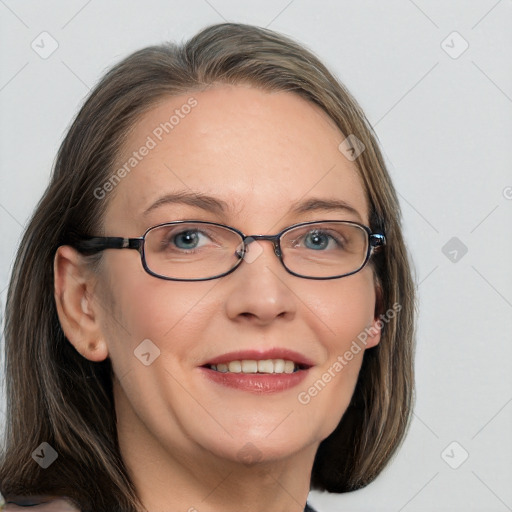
<point>263,367</point>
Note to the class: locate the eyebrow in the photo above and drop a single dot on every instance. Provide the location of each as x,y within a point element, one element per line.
<point>317,204</point>
<point>197,199</point>
<point>218,206</point>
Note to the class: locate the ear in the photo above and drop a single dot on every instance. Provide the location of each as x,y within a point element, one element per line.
<point>77,311</point>
<point>375,328</point>
<point>373,331</point>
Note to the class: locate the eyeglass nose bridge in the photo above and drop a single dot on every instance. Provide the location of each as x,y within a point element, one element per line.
<point>247,240</point>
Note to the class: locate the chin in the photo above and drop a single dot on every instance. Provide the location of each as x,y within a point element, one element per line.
<point>251,449</point>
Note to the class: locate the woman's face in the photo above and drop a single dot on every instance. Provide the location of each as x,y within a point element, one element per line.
<point>259,155</point>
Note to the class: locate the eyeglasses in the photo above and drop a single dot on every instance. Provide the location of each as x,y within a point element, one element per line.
<point>192,250</point>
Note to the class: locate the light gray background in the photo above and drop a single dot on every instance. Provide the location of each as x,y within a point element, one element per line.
<point>445,126</point>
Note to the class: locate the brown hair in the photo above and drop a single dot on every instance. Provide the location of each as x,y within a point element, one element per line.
<point>55,395</point>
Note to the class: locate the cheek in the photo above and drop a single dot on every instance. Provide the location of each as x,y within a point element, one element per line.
<point>352,319</point>
<point>345,309</point>
<point>343,316</point>
<point>146,308</point>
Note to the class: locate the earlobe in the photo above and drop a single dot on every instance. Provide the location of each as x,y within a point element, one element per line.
<point>74,293</point>
<point>374,332</point>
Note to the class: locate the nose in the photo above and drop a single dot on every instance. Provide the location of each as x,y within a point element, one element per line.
<point>259,290</point>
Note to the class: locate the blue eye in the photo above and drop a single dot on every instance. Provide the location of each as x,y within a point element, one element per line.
<point>318,240</point>
<point>315,240</point>
<point>187,239</point>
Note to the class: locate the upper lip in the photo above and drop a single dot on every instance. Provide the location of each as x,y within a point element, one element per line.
<point>260,355</point>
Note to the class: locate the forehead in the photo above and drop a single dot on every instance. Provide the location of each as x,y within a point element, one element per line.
<point>256,151</point>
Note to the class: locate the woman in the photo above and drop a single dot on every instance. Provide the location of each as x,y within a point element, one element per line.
<point>212,306</point>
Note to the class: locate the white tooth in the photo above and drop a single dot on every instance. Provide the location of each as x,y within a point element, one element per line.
<point>235,366</point>
<point>289,366</point>
<point>278,365</point>
<point>252,366</point>
<point>266,366</point>
<point>249,366</point>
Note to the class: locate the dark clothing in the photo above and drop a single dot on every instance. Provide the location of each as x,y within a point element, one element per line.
<point>35,504</point>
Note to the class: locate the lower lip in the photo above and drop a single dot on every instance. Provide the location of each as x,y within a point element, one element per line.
<point>254,382</point>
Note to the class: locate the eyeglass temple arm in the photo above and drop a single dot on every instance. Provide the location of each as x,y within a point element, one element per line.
<point>97,244</point>
<point>377,240</point>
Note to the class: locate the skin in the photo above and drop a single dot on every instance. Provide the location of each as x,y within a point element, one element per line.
<point>180,435</point>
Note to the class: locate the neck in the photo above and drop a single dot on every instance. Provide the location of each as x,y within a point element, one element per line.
<point>180,475</point>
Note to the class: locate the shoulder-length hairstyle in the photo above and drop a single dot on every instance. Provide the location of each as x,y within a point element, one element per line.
<point>56,396</point>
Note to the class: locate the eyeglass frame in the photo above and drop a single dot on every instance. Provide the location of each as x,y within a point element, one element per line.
<point>92,245</point>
